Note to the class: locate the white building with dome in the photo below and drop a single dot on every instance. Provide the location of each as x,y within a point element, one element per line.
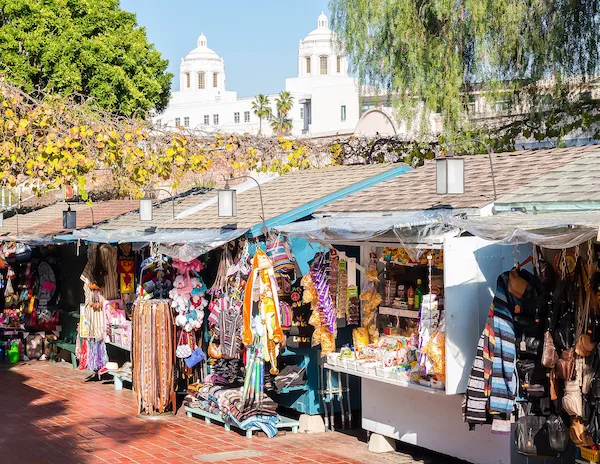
<point>326,98</point>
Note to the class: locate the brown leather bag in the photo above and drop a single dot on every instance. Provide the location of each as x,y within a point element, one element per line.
<point>585,346</point>
<point>578,434</point>
<point>516,284</point>
<point>549,353</point>
<point>566,365</point>
<point>554,388</point>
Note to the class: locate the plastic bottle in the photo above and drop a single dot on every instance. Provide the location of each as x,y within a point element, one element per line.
<point>411,298</point>
<point>418,295</point>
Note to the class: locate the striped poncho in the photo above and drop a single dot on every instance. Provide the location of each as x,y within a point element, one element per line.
<point>492,382</point>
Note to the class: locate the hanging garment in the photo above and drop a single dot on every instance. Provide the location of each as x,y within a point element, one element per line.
<point>153,354</point>
<point>492,382</point>
<point>101,268</point>
<point>262,277</point>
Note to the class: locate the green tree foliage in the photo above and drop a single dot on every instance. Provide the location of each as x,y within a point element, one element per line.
<point>282,125</point>
<point>539,56</point>
<point>261,106</point>
<point>87,47</point>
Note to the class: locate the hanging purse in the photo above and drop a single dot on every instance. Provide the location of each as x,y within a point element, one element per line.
<point>516,284</point>
<point>529,347</point>
<point>573,400</point>
<point>195,357</point>
<point>566,365</point>
<point>549,354</point>
<point>214,350</point>
<point>536,436</point>
<point>564,334</point>
<point>183,350</point>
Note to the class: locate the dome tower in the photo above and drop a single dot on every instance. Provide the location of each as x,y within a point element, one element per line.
<point>320,52</point>
<point>202,69</point>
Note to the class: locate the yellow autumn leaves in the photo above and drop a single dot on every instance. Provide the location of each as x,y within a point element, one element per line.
<point>50,142</point>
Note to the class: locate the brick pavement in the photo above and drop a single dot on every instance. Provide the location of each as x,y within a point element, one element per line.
<point>49,414</point>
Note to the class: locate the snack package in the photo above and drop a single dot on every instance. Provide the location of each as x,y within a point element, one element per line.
<point>360,338</point>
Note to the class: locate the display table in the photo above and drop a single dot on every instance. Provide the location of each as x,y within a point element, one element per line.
<point>119,379</point>
<point>399,383</point>
<point>284,422</point>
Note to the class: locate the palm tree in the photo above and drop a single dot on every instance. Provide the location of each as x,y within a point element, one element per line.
<point>284,102</point>
<point>262,108</point>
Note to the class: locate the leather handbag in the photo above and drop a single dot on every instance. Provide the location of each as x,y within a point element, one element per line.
<point>585,346</point>
<point>579,433</point>
<point>538,436</point>
<point>564,334</point>
<point>549,353</point>
<point>573,399</point>
<point>592,428</point>
<point>533,378</point>
<point>554,389</point>
<point>558,434</point>
<point>516,284</point>
<point>529,347</point>
<point>566,365</point>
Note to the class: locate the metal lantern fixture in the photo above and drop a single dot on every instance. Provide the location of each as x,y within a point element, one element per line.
<point>69,219</point>
<point>450,175</point>
<point>227,201</point>
<point>146,209</point>
<point>147,204</point>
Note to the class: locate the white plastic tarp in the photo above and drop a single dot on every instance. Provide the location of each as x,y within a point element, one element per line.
<point>189,244</point>
<point>182,244</point>
<point>419,224</point>
<point>103,236</point>
<point>550,230</point>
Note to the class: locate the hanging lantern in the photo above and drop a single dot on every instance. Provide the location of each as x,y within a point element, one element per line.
<point>69,219</point>
<point>450,175</point>
<point>227,202</point>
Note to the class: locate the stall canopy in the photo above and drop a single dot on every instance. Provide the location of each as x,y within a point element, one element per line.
<point>409,227</point>
<point>551,230</point>
<point>182,244</point>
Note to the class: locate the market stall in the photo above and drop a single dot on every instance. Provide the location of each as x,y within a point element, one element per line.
<point>30,295</point>
<point>414,375</point>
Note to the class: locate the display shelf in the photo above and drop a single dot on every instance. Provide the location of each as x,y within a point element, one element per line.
<point>118,346</point>
<point>293,389</point>
<point>408,313</point>
<point>399,383</point>
<point>209,417</point>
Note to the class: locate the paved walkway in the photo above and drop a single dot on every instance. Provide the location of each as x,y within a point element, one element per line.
<point>49,414</point>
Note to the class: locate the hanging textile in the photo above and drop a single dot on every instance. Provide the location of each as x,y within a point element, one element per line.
<point>262,288</point>
<point>153,356</point>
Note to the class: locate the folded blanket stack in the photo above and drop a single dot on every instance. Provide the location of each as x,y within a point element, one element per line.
<point>219,398</point>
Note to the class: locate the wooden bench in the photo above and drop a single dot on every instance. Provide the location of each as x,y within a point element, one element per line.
<point>283,423</point>
<point>70,347</point>
<point>119,379</point>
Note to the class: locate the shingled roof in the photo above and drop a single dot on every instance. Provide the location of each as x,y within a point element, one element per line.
<point>416,190</point>
<point>162,211</point>
<point>48,221</point>
<point>576,182</point>
<point>291,196</point>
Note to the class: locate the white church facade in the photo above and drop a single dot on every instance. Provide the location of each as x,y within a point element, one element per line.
<point>326,98</point>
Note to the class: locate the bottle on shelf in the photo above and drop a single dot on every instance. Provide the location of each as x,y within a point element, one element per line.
<point>419,294</point>
<point>411,297</point>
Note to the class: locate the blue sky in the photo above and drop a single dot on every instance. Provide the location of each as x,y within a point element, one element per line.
<point>257,39</point>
